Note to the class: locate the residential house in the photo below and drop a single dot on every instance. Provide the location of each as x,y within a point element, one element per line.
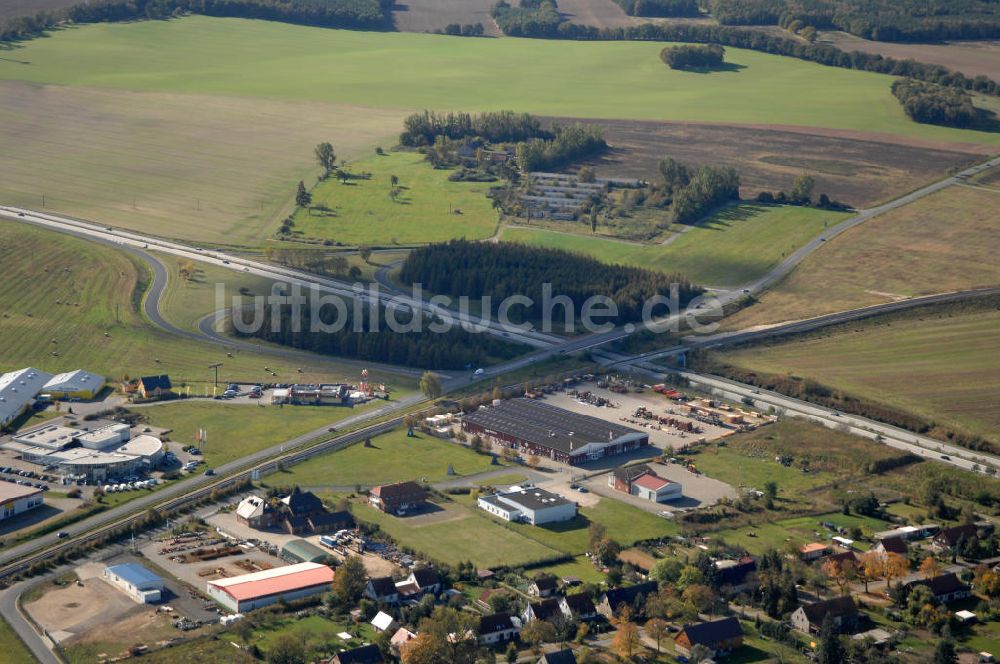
<point>894,544</point>
<point>564,656</point>
<point>497,628</point>
<point>382,589</point>
<point>383,622</point>
<point>299,507</point>
<point>256,512</point>
<point>578,607</point>
<point>736,576</point>
<point>426,579</point>
<point>399,499</point>
<point>613,599</point>
<point>155,387</point>
<point>547,609</point>
<point>484,599</point>
<point>948,539</point>
<point>369,654</point>
<point>543,586</point>
<point>719,636</point>
<point>809,618</point>
<point>842,558</point>
<point>945,587</point>
<point>399,639</point>
<point>813,551</point>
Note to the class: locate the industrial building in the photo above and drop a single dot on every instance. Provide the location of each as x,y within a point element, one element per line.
<point>528,504</point>
<point>77,384</point>
<point>17,499</point>
<point>252,591</point>
<point>303,551</point>
<point>18,390</point>
<point>135,581</point>
<point>642,481</point>
<point>534,427</point>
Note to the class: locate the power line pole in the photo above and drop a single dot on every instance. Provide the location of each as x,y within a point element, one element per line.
<point>216,367</point>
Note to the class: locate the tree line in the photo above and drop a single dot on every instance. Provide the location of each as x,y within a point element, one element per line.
<point>756,40</point>
<point>568,144</point>
<point>660,8</point>
<point>352,14</point>
<point>530,18</point>
<point>935,104</point>
<point>421,129</point>
<point>465,30</point>
<point>692,195</point>
<point>478,269</point>
<point>376,342</point>
<point>693,56</point>
<point>881,20</point>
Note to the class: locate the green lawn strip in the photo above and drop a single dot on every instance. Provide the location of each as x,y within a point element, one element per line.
<point>580,567</point>
<point>417,71</point>
<point>427,208</point>
<point>393,457</point>
<point>12,648</point>
<point>734,246</point>
<point>461,536</point>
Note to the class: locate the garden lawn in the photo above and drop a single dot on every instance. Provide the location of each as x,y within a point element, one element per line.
<point>460,536</point>
<point>427,208</point>
<point>733,247</point>
<point>393,457</point>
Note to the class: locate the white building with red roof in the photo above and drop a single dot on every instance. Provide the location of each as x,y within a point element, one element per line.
<point>651,486</point>
<point>252,591</point>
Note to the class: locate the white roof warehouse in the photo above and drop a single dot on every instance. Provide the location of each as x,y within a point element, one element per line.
<point>18,390</point>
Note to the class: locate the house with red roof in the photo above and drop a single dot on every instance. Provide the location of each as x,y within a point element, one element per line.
<point>642,481</point>
<point>252,591</point>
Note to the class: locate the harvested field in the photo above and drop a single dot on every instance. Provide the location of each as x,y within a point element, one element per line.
<point>944,242</point>
<point>972,58</point>
<point>16,8</point>
<point>853,170</point>
<point>201,167</point>
<point>599,13</point>
<point>434,15</point>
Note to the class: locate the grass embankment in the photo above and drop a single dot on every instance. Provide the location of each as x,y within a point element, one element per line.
<point>427,206</point>
<point>730,248</point>
<point>12,648</point>
<point>944,242</point>
<point>78,309</point>
<point>940,363</point>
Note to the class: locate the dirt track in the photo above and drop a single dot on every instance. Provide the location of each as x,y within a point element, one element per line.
<point>853,168</point>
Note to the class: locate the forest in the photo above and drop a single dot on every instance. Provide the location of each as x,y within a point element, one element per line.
<point>530,18</point>
<point>353,14</point>
<point>693,56</point>
<point>660,8</point>
<point>882,20</point>
<point>477,269</point>
<point>935,104</point>
<point>568,144</point>
<point>422,129</point>
<point>377,342</point>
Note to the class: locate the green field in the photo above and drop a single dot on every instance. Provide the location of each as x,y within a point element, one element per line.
<point>793,533</point>
<point>392,458</point>
<point>12,649</point>
<point>428,207</point>
<point>54,315</point>
<point>733,247</point>
<point>944,242</point>
<point>941,365</point>
<point>415,71</point>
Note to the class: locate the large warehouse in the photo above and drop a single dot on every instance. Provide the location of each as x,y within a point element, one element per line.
<point>529,505</point>
<point>18,390</point>
<point>77,384</point>
<point>16,499</point>
<point>135,581</point>
<point>252,591</point>
<point>534,427</point>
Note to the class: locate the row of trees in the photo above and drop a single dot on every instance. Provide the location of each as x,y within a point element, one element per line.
<point>756,40</point>
<point>465,30</point>
<point>421,129</point>
<point>882,20</point>
<point>693,56</point>
<point>367,339</point>
<point>531,18</point>
<point>476,269</point>
<point>706,190</point>
<point>572,143</point>
<point>353,14</point>
<point>801,194</point>
<point>662,8</point>
<point>935,104</point>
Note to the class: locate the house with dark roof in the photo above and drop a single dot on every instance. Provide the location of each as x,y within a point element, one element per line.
<point>809,618</point>
<point>542,586</point>
<point>399,498</point>
<point>155,387</point>
<point>896,545</point>
<point>564,656</point>
<point>382,589</point>
<point>736,576</point>
<point>945,587</point>
<point>369,654</point>
<point>948,539</point>
<point>719,636</point>
<point>613,599</point>
<point>302,503</point>
<point>427,579</point>
<point>497,628</point>
<point>578,607</point>
<point>328,522</point>
<point>620,479</point>
<point>842,558</point>
<point>547,609</point>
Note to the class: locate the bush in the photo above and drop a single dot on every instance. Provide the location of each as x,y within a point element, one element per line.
<point>693,56</point>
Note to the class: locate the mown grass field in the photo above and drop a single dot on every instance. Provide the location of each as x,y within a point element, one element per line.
<point>428,208</point>
<point>12,649</point>
<point>392,458</point>
<point>733,247</point>
<point>82,291</point>
<point>414,71</point>
<point>941,365</point>
<point>944,242</point>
